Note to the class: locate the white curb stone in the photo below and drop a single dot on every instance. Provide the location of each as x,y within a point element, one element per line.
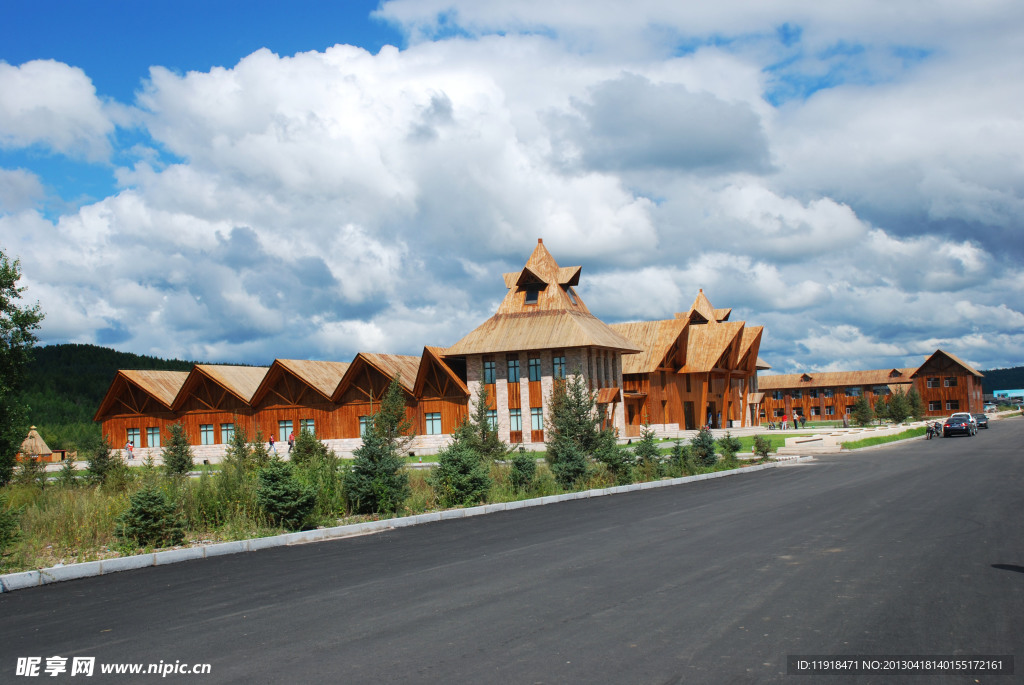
<point>70,572</point>
<point>173,556</point>
<point>19,581</point>
<point>222,548</point>
<point>129,563</point>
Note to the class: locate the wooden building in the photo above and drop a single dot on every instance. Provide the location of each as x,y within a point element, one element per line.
<point>541,333</point>
<point>697,368</point>
<point>946,385</point>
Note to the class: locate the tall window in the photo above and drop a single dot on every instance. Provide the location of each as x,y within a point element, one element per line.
<point>536,418</point>
<point>532,293</point>
<point>515,419</point>
<point>513,370</point>
<point>534,368</point>
<point>559,367</point>
<point>133,437</point>
<point>227,433</point>
<point>206,434</point>
<point>284,428</point>
<point>949,381</point>
<point>489,371</point>
<point>365,424</point>
<point>152,437</point>
<point>433,421</point>
<point>307,425</point>
<point>492,419</point>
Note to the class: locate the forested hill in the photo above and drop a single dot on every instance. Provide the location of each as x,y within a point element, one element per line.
<point>1003,379</point>
<point>65,383</point>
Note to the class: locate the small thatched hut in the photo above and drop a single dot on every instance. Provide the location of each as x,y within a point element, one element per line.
<point>34,447</point>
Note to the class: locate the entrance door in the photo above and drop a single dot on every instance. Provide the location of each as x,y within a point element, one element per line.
<point>712,416</point>
<point>691,422</point>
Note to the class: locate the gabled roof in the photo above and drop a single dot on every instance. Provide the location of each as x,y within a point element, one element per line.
<point>161,386</point>
<point>762,364</point>
<point>654,338</point>
<point>816,379</point>
<point>240,381</point>
<point>936,358</point>
<point>557,319</point>
<point>706,344</point>
<point>751,336</point>
<point>322,376</point>
<point>723,314</point>
<point>388,365</point>
<point>432,359</point>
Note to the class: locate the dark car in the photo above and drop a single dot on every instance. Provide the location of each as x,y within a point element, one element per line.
<point>959,424</point>
<point>982,420</point>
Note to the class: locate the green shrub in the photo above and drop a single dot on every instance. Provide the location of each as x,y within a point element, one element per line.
<point>703,448</point>
<point>284,500</point>
<point>762,446</point>
<point>729,446</point>
<point>523,470</point>
<point>30,472</point>
<point>322,470</point>
<point>67,477</point>
<point>377,481</point>
<point>102,461</point>
<point>151,519</point>
<point>460,478</point>
<point>680,458</point>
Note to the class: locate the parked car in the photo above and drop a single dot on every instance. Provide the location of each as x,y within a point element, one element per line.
<point>960,423</point>
<point>981,420</point>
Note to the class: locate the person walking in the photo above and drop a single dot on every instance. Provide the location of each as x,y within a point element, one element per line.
<point>273,448</point>
<point>291,441</point>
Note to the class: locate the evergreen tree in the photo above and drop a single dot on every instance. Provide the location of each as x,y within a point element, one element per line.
<point>482,436</point>
<point>31,472</point>
<point>915,404</point>
<point>862,413</point>
<point>177,454</point>
<point>17,339</point>
<point>762,446</point>
<point>646,449</point>
<point>574,433</point>
<point>523,469</point>
<point>729,446</point>
<point>67,477</point>
<point>103,462</point>
<point>461,477</point>
<point>151,519</point>
<point>286,501</point>
<point>882,409</point>
<point>377,481</point>
<point>392,422</point>
<point>703,447</point>
<point>898,406</point>
<point>307,449</point>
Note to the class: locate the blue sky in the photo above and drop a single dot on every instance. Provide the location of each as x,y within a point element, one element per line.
<point>238,181</point>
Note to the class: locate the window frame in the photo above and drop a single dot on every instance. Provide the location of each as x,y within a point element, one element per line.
<point>206,434</point>
<point>150,432</point>
<point>515,419</point>
<point>490,372</point>
<point>227,433</point>
<point>536,418</point>
<point>532,365</point>
<point>432,423</point>
<point>512,368</point>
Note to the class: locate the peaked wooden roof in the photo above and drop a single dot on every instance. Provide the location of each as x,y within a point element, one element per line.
<point>834,378</point>
<point>240,381</point>
<point>937,356</point>
<point>706,344</point>
<point>432,357</point>
<point>322,376</point>
<point>541,311</point>
<point>404,367</point>
<point>654,338</point>
<point>34,445</point>
<point>162,386</point>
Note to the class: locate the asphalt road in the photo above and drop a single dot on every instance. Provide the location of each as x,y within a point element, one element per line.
<point>914,549</point>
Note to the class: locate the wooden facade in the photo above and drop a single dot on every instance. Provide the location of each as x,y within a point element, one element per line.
<point>946,385</point>
<point>696,369</point>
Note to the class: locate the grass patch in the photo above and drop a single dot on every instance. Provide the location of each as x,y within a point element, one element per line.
<point>882,439</point>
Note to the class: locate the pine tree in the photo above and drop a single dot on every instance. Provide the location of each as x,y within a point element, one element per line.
<point>916,404</point>
<point>862,413</point>
<point>178,457</point>
<point>882,409</point>
<point>898,407</point>
<point>17,340</point>
<point>574,432</point>
<point>522,470</point>
<point>377,481</point>
<point>103,462</point>
<point>151,519</point>
<point>483,436</point>
<point>286,501</point>
<point>461,477</point>
<point>729,446</point>
<point>703,447</point>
